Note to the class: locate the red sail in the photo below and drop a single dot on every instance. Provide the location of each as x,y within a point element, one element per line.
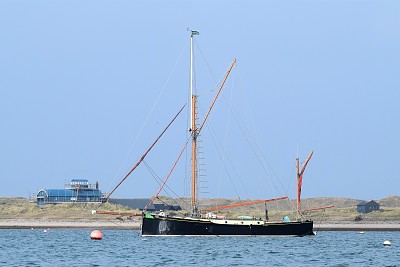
<point>300,180</point>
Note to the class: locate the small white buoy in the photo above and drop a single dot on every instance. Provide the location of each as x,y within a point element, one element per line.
<point>387,243</point>
<point>44,231</point>
<point>361,232</point>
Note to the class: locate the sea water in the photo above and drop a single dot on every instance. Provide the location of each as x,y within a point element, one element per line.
<point>56,247</point>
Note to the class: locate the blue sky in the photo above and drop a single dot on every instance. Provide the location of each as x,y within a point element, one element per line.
<point>86,86</point>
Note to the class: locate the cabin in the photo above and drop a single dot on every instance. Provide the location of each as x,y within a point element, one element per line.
<point>365,207</point>
<point>77,191</point>
<point>163,207</point>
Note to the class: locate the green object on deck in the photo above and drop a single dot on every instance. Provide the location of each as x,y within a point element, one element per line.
<point>149,216</point>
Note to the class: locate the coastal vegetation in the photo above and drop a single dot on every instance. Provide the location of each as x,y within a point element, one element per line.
<point>22,208</point>
<point>344,211</point>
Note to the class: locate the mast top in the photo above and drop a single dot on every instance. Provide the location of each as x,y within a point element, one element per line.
<point>192,33</point>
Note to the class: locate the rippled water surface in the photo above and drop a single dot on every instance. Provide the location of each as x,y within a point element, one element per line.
<point>126,248</point>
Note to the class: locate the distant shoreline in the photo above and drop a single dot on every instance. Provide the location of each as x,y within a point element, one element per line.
<point>135,225</point>
<point>68,224</point>
<point>359,227</point>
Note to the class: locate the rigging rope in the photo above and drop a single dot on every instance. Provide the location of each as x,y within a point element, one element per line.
<point>145,154</point>
<point>221,151</point>
<point>159,181</point>
<point>148,116</point>
<point>252,143</point>
<point>222,161</point>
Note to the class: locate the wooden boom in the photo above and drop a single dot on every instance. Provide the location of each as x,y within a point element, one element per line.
<point>117,213</point>
<point>319,208</point>
<point>244,204</point>
<point>216,96</point>
<point>195,132</point>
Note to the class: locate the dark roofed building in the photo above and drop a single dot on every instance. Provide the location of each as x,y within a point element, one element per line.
<point>365,207</point>
<point>133,203</point>
<point>140,204</point>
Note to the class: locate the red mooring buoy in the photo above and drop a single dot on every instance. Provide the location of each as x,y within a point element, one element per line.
<point>96,235</point>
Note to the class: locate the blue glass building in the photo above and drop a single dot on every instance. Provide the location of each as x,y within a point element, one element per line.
<point>79,190</point>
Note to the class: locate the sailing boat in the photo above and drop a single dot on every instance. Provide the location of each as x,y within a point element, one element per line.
<point>198,223</point>
<point>159,224</point>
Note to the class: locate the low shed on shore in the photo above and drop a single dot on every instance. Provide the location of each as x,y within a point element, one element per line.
<point>365,207</point>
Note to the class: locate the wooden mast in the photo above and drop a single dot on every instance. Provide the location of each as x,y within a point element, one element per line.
<point>193,131</point>
<point>194,157</point>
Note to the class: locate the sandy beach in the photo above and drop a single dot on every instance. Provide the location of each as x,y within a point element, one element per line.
<point>135,225</point>
<point>66,224</point>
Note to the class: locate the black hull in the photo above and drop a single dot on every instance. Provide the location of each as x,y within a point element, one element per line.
<point>169,226</point>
